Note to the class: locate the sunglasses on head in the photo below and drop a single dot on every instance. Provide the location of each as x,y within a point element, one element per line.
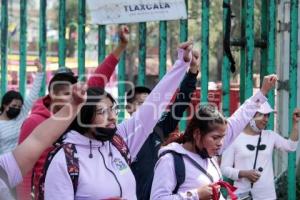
<point>260,147</point>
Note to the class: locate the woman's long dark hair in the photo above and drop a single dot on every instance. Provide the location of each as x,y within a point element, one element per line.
<point>88,111</point>
<point>8,97</point>
<point>207,119</point>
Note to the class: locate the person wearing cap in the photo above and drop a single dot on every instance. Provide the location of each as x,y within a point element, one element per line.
<point>248,161</point>
<point>14,111</point>
<point>59,95</point>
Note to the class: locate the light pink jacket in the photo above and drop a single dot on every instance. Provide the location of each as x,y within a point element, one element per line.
<point>107,175</point>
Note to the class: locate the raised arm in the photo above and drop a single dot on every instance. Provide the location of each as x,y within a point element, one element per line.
<point>136,129</point>
<point>296,118</point>
<point>28,152</point>
<point>34,91</point>
<point>239,120</point>
<point>105,70</point>
<point>291,143</point>
<point>169,121</point>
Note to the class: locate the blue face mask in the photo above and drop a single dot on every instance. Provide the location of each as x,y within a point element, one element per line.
<point>104,134</point>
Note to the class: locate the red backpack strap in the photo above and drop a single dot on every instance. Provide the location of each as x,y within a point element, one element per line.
<point>72,164</point>
<point>230,189</point>
<point>38,182</point>
<point>121,145</point>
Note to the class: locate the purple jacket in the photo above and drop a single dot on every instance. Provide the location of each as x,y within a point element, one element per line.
<point>9,166</point>
<point>107,175</point>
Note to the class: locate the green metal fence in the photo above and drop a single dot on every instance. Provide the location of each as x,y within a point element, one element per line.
<point>246,43</point>
<point>4,25</point>
<point>293,92</point>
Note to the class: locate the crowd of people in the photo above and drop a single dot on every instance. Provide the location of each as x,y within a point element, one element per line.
<point>70,146</point>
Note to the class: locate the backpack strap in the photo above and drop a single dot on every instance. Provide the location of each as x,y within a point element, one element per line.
<point>256,154</point>
<point>194,163</point>
<point>122,147</point>
<point>180,174</point>
<point>215,164</point>
<point>38,182</point>
<point>72,164</point>
<point>72,167</point>
<point>179,168</point>
<point>200,168</point>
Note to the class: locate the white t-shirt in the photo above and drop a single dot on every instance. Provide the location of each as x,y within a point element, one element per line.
<point>241,155</point>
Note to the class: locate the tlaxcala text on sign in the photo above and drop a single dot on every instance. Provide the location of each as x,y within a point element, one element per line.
<point>133,11</point>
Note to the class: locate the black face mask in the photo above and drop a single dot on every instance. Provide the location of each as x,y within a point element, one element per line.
<point>202,153</point>
<point>13,112</point>
<point>104,134</point>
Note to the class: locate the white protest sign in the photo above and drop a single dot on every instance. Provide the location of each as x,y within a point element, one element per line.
<point>132,11</point>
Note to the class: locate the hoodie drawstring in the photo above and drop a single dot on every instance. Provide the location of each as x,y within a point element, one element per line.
<point>114,175</point>
<point>91,154</point>
<point>110,151</point>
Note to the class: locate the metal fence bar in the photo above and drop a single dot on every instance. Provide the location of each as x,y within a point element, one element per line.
<point>183,36</point>
<point>62,34</point>
<point>101,43</point>
<point>243,52</point>
<point>23,46</point>
<point>249,48</point>
<point>121,86</point>
<point>142,53</point>
<point>264,36</point>
<point>81,36</point>
<point>271,62</point>
<point>292,93</point>
<point>204,50</point>
<point>225,68</point>
<point>43,41</point>
<point>163,42</point>
<point>4,27</point>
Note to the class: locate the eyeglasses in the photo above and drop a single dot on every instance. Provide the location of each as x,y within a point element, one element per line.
<point>260,147</point>
<point>261,116</point>
<point>105,111</point>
